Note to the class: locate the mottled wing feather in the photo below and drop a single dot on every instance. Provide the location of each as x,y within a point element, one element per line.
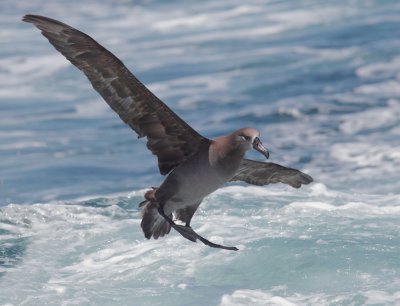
<point>170,138</point>
<point>260,173</point>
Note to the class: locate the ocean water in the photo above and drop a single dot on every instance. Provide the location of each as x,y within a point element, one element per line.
<point>319,79</point>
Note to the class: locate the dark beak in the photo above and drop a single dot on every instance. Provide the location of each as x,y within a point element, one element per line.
<point>257,145</point>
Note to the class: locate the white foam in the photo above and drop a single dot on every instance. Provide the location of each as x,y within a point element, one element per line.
<point>359,209</point>
<point>302,18</point>
<point>375,297</point>
<point>93,109</point>
<point>379,70</point>
<point>58,289</point>
<point>17,69</point>
<point>252,297</point>
<point>350,97</point>
<point>74,246</point>
<point>22,92</point>
<point>372,118</point>
<point>184,86</point>
<point>244,297</point>
<point>365,154</point>
<point>275,22</point>
<point>205,19</point>
<point>318,189</point>
<point>390,88</point>
<point>183,286</point>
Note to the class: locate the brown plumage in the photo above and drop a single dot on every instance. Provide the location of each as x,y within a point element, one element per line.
<point>170,138</point>
<point>196,166</point>
<point>260,174</point>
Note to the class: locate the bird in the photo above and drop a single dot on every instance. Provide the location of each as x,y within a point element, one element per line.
<point>193,165</point>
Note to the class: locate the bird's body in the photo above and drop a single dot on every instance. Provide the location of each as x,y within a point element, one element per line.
<point>195,166</point>
<point>188,183</point>
<point>184,188</point>
<point>215,163</point>
<point>201,174</point>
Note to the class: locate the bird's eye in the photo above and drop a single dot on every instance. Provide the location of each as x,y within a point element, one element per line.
<point>246,138</point>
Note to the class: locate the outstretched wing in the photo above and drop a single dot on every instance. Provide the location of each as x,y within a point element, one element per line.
<point>260,173</point>
<point>170,138</point>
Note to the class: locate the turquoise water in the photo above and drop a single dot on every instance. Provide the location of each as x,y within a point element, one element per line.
<point>319,79</point>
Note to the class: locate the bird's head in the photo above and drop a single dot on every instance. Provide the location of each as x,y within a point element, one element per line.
<point>248,138</point>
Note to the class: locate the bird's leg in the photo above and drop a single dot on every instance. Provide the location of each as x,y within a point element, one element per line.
<point>187,232</point>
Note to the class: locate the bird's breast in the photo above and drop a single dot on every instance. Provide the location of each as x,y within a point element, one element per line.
<point>197,182</point>
<point>195,179</point>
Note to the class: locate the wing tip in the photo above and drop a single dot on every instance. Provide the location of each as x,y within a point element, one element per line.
<point>45,23</point>
<point>307,179</point>
<point>300,179</point>
<point>31,18</point>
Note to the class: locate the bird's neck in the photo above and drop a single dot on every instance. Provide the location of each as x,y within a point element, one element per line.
<point>225,157</point>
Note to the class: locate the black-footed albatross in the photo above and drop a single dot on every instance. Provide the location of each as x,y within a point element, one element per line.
<point>194,165</point>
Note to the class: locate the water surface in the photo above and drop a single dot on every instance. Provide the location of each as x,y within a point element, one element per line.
<point>319,79</point>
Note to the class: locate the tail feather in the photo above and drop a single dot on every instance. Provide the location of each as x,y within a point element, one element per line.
<point>153,224</point>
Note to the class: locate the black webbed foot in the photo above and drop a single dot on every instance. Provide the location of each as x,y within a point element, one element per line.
<point>214,245</point>
<point>188,233</point>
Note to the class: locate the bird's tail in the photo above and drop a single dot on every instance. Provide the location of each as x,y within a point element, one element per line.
<point>153,224</point>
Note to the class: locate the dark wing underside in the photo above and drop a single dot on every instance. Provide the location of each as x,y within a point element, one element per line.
<point>260,173</point>
<point>170,138</point>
